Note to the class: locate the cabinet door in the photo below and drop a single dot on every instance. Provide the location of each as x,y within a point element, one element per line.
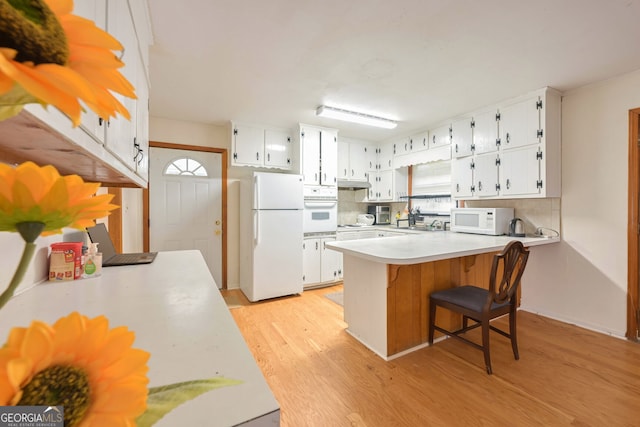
<point>120,132</point>
<point>277,149</point>
<point>385,156</point>
<point>485,132</point>
<point>462,138</point>
<point>310,146</point>
<point>440,136</point>
<point>329,158</point>
<point>371,157</point>
<point>420,141</point>
<point>402,146</point>
<point>372,191</point>
<point>485,174</point>
<point>329,262</point>
<point>141,145</point>
<point>520,124</point>
<point>96,11</point>
<point>385,185</point>
<point>248,145</point>
<point>520,171</point>
<point>344,167</point>
<point>358,161</point>
<point>310,261</point>
<point>462,177</point>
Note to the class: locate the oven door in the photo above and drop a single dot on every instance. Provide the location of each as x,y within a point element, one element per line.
<point>320,216</point>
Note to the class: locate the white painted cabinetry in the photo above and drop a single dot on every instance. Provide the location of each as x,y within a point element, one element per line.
<point>258,146</point>
<point>354,159</point>
<point>113,152</point>
<point>319,147</point>
<point>515,155</point>
<point>440,136</point>
<point>462,137</point>
<point>319,264</point>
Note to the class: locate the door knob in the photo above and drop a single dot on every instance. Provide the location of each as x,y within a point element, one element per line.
<point>218,232</point>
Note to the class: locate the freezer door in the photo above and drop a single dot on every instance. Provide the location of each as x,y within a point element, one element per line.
<point>277,191</point>
<point>277,254</point>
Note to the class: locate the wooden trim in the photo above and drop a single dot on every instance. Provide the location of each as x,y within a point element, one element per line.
<point>633,227</point>
<point>225,161</point>
<point>114,220</point>
<point>409,287</point>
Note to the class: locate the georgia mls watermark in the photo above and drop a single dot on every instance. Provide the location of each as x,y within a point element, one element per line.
<point>31,416</point>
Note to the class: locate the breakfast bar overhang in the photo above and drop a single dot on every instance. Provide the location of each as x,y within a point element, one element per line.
<point>387,282</point>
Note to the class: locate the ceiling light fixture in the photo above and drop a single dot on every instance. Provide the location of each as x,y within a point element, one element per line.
<point>352,116</point>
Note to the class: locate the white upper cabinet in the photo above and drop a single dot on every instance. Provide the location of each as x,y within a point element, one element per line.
<point>462,137</point>
<point>419,141</point>
<point>115,152</point>
<point>257,146</point>
<point>121,133</point>
<point>520,123</point>
<point>385,156</point>
<point>440,136</point>
<point>358,160</point>
<point>485,175</point>
<point>353,159</point>
<point>247,145</point>
<point>485,132</point>
<point>462,177</point>
<point>319,147</point>
<point>277,149</point>
<point>523,161</point>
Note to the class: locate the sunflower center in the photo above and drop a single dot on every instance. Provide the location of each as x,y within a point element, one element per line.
<point>31,28</point>
<point>59,385</point>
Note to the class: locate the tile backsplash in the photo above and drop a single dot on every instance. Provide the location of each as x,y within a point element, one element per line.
<point>534,212</point>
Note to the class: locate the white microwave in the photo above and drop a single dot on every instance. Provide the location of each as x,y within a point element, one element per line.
<point>492,221</point>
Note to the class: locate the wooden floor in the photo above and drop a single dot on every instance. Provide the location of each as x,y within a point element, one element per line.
<point>321,376</point>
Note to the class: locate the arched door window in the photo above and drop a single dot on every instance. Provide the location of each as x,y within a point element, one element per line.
<point>185,166</point>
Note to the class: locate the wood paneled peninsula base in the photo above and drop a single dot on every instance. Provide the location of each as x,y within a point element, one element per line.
<point>387,282</point>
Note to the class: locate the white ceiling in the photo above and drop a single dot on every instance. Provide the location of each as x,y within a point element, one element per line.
<point>417,61</point>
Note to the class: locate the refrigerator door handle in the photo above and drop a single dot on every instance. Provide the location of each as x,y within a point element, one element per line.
<point>256,192</point>
<point>256,228</point>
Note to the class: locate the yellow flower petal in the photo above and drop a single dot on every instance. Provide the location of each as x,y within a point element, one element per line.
<point>89,74</point>
<point>39,194</point>
<point>114,399</point>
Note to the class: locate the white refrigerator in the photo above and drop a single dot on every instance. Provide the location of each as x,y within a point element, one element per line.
<point>271,235</point>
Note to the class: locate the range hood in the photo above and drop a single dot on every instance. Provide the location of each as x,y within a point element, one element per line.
<point>344,184</point>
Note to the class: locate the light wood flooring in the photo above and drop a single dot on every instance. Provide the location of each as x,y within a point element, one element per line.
<point>321,376</point>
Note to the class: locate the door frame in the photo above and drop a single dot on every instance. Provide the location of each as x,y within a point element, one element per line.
<point>633,227</point>
<point>145,198</point>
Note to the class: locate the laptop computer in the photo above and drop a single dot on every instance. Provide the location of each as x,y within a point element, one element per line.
<point>99,234</point>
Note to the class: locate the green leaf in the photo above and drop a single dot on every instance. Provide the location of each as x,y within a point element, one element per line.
<point>165,398</point>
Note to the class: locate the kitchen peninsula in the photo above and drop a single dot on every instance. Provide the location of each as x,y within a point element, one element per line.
<point>387,282</point>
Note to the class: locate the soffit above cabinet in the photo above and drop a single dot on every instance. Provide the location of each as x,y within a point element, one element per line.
<point>27,137</point>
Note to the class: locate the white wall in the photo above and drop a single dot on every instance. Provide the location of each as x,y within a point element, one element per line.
<point>583,280</point>
<point>188,133</point>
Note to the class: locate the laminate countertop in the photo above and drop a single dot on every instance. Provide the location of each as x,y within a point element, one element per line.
<point>178,315</point>
<point>428,246</point>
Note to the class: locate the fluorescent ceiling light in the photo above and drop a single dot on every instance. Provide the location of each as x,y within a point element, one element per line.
<point>352,116</point>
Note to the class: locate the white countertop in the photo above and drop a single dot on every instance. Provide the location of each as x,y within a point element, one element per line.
<point>177,313</point>
<point>426,246</point>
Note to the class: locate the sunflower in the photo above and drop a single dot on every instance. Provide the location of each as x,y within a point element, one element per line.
<point>29,193</point>
<point>50,56</point>
<point>78,363</point>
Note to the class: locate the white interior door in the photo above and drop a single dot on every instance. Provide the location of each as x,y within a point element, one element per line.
<point>185,204</point>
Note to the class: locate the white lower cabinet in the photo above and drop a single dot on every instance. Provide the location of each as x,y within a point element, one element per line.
<point>319,265</point>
